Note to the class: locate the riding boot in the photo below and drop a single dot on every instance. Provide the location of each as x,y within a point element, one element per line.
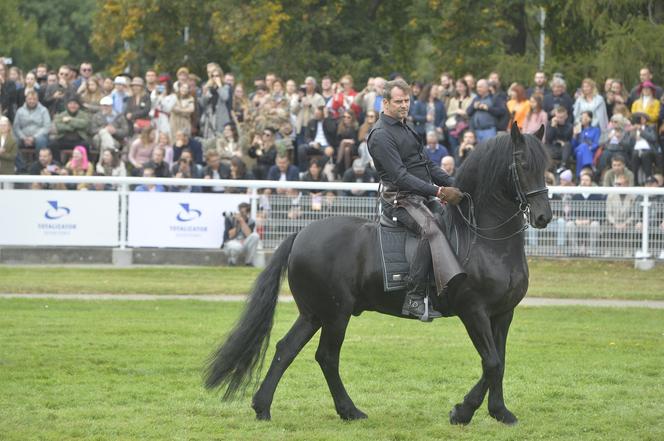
<point>416,303</point>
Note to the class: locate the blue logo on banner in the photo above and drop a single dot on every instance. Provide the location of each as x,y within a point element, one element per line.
<point>56,212</point>
<point>188,214</point>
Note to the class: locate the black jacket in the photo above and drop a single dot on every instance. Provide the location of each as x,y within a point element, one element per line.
<point>562,133</point>
<point>400,160</point>
<point>329,129</point>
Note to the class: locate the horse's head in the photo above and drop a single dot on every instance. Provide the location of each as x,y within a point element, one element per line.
<point>527,175</point>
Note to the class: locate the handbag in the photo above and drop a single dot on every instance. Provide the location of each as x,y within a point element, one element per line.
<point>451,122</point>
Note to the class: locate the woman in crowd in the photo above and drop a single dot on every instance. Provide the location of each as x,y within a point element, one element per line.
<point>91,94</point>
<point>166,100</point>
<point>79,165</point>
<point>591,101</point>
<point>164,141</point>
<point>138,107</point>
<point>182,110</point>
<point>369,120</point>
<point>140,150</point>
<point>344,100</point>
<point>585,141</point>
<point>518,105</point>
<point>457,118</point>
<point>239,172</point>
<point>347,136</point>
<point>241,105</point>
<point>8,147</point>
<point>536,117</point>
<point>30,85</point>
<point>107,86</point>
<point>110,164</point>
<point>647,103</point>
<point>227,145</point>
<point>214,104</point>
<point>264,150</point>
<point>435,110</point>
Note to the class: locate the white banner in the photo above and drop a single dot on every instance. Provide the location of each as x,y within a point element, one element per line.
<point>179,220</point>
<point>53,217</point>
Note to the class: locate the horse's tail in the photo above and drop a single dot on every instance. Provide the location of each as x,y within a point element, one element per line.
<point>234,362</point>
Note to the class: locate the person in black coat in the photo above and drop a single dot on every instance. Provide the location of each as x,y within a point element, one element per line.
<point>319,135</point>
<point>558,138</point>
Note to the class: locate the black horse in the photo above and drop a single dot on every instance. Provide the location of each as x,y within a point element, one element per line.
<point>334,272</point>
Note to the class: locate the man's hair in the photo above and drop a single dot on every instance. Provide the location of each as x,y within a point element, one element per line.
<point>31,92</point>
<point>560,109</point>
<point>400,84</point>
<point>282,156</point>
<point>557,81</point>
<point>244,205</point>
<point>618,157</point>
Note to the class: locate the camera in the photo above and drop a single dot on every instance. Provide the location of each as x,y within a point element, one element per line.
<point>229,215</point>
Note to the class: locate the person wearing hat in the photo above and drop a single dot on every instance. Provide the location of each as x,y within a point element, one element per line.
<point>119,94</point>
<point>137,110</point>
<point>108,129</point>
<point>644,144</point>
<point>644,75</point>
<point>71,128</point>
<point>619,140</point>
<point>647,103</point>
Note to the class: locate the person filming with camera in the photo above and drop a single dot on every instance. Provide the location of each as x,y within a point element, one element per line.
<point>240,239</point>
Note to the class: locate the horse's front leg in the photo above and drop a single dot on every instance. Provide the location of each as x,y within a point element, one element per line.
<point>478,326</point>
<point>500,326</point>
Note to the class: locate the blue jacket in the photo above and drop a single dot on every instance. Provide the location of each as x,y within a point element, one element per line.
<point>292,174</point>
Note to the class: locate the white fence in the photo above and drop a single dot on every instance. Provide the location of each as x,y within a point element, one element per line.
<point>611,227</point>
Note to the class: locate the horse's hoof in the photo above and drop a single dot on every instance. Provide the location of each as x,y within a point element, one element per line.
<point>263,416</point>
<point>458,415</point>
<point>504,416</point>
<point>353,414</point>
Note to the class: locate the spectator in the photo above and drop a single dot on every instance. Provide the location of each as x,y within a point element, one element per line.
<point>56,92</point>
<point>140,150</point>
<point>518,105</point>
<point>181,112</point>
<point>91,95</point>
<point>644,75</point>
<point>470,81</point>
<point>620,217</point>
<point>326,86</point>
<point>227,144</point>
<point>647,103</point>
<point>433,149</point>
<point>435,113</point>
<point>467,145</point>
<point>615,95</point>
<point>213,101</point>
<point>590,100</point>
<point>585,141</point>
<point>185,168</point>
<point>483,115</point>
<point>362,174</point>
<point>347,139</point>
<point>418,112</point>
<point>320,136</point>
<point>540,85</point>
<point>645,147</point>
<point>448,165</point>
<point>31,85</point>
<point>314,174</point>
<point>536,116</point>
<point>240,239</point>
<point>45,166</point>
<point>215,169</point>
<point>119,95</point>
<point>184,141</point>
<point>283,171</point>
<point>560,208</point>
<point>32,123</point>
<point>583,227</point>
<point>108,129</point>
<point>8,149</point>
<point>344,100</point>
<point>107,86</point>
<point>79,165</point>
<point>241,105</point>
<point>239,172</point>
<point>163,106</point>
<point>619,141</point>
<point>457,116</point>
<point>137,110</point>
<point>558,98</point>
<point>149,172</point>
<point>71,127</point>
<point>86,72</point>
<point>558,138</point>
<point>164,141</point>
<point>618,169</point>
<point>110,164</point>
<point>157,164</point>
<point>305,106</point>
<point>447,89</point>
<point>264,150</point>
<point>151,83</point>
<point>371,97</point>
<point>182,76</point>
<point>500,102</point>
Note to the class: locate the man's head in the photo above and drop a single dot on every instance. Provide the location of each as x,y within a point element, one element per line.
<point>560,114</point>
<point>621,181</point>
<point>326,83</point>
<point>432,138</point>
<point>617,87</point>
<point>151,77</point>
<point>282,163</point>
<point>86,69</point>
<point>158,155</point>
<point>148,172</point>
<point>585,180</point>
<point>540,79</point>
<point>72,104</point>
<point>63,75</point>
<point>106,104</point>
<point>396,99</point>
<point>51,79</point>
<point>358,167</point>
<point>447,164</point>
<point>379,85</point>
<point>182,136</point>
<point>558,86</point>
<point>310,84</point>
<point>494,77</point>
<point>213,159</point>
<point>244,209</point>
<point>45,157</point>
<point>470,80</point>
<point>269,79</point>
<point>446,79</point>
<point>42,70</point>
<point>618,164</point>
<point>645,74</point>
<point>469,137</point>
<point>31,99</point>
<point>482,88</point>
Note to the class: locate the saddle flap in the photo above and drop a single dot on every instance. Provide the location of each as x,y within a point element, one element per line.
<point>397,246</point>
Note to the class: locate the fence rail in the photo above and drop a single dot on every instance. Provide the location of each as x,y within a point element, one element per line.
<point>627,226</point>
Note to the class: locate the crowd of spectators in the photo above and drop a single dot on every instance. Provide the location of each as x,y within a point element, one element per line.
<point>74,121</point>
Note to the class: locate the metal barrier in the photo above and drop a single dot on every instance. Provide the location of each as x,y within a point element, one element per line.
<point>623,223</point>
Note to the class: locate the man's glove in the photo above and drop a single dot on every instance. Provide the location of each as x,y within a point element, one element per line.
<point>450,194</point>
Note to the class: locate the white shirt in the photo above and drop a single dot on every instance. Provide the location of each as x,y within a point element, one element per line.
<point>320,135</point>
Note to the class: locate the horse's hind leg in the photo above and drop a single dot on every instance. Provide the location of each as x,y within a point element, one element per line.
<point>327,356</point>
<point>497,409</point>
<point>287,349</point>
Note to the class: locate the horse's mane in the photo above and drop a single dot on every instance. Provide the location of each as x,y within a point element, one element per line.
<point>485,172</point>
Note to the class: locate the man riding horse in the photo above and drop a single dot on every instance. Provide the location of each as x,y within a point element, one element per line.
<point>413,187</point>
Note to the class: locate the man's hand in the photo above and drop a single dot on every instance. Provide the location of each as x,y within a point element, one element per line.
<point>450,194</point>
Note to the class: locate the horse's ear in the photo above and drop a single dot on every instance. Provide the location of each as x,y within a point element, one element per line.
<point>517,138</point>
<point>539,134</point>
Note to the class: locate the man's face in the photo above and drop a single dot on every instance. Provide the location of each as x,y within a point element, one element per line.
<point>157,156</point>
<point>326,83</point>
<point>447,164</point>
<point>617,167</point>
<point>469,138</point>
<point>309,83</point>
<point>45,157</point>
<point>63,75</point>
<point>645,75</point>
<point>151,77</point>
<point>616,88</point>
<point>214,161</point>
<point>148,173</point>
<point>398,106</point>
<point>244,212</point>
<point>52,79</point>
<point>186,156</point>
<point>229,79</point>
<point>561,117</point>
<point>432,139</point>
<point>540,79</point>
<point>494,78</point>
<point>31,100</point>
<point>86,70</point>
<point>72,106</point>
<point>482,88</point>
<point>445,81</point>
<point>557,89</point>
<point>41,72</point>
<point>585,181</point>
<point>282,164</point>
<point>269,79</point>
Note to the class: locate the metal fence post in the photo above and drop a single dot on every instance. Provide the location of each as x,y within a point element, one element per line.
<point>124,189</point>
<point>645,233</point>
<point>254,203</point>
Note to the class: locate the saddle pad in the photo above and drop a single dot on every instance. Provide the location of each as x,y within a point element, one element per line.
<point>393,256</point>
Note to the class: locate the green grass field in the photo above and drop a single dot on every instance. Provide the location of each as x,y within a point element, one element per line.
<point>95,370</point>
<point>549,278</point>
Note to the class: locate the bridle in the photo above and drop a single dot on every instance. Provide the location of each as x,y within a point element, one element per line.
<point>521,198</point>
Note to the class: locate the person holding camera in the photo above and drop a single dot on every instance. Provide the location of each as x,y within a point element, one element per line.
<point>214,99</point>
<point>558,137</point>
<point>240,239</point>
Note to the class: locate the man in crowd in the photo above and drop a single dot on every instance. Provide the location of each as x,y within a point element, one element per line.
<point>54,98</point>
<point>215,169</point>
<point>149,172</point>
<point>85,73</point>
<point>305,107</point>
<point>371,97</point>
<point>558,138</point>
<point>433,149</point>
<point>483,115</point>
<point>283,170</point>
<point>71,126</point>
<point>361,173</point>
<point>540,85</point>
<point>558,98</point>
<point>44,166</point>
<point>620,217</point>
<point>583,226</point>
<point>644,75</point>
<point>467,145</point>
<point>157,164</point>
<point>32,123</point>
<point>320,135</point>
<point>239,236</point>
<point>618,169</point>
<point>108,129</point>
<point>448,165</point>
